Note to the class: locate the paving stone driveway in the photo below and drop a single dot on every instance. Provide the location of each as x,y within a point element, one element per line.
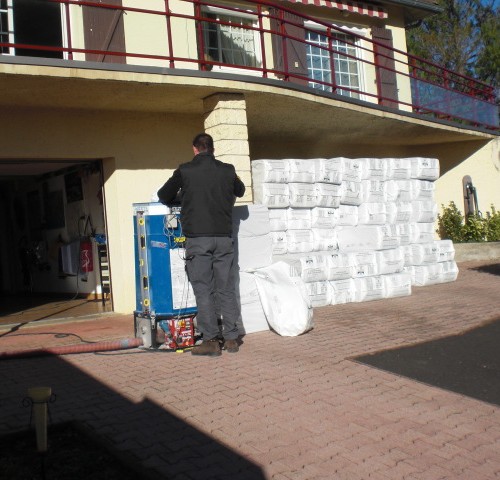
<point>282,408</point>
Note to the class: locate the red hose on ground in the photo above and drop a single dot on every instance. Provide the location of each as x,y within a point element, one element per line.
<point>80,348</point>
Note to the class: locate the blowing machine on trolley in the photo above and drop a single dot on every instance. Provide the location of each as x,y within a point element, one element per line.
<point>165,303</point>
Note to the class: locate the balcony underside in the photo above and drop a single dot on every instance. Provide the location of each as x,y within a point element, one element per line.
<point>275,109</point>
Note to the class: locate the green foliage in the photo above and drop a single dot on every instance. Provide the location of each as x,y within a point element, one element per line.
<point>493,219</point>
<point>463,38</point>
<point>475,229</point>
<point>452,225</point>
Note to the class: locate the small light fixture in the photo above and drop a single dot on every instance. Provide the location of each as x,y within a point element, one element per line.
<point>40,396</point>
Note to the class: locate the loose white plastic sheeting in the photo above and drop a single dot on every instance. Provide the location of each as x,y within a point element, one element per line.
<point>285,300</point>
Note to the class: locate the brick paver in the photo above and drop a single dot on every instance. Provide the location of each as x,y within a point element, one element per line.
<point>298,408</point>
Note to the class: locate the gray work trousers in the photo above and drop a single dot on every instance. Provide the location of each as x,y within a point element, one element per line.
<point>209,263</point>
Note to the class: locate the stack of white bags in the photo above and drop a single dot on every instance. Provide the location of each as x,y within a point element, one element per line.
<point>352,229</point>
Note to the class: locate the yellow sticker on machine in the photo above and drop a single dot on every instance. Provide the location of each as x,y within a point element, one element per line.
<point>179,239</point>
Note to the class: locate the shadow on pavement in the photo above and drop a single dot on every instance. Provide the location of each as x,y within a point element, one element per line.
<point>493,269</point>
<point>144,434</point>
<point>468,364</point>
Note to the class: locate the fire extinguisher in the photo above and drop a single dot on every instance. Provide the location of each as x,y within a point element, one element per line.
<point>86,259</point>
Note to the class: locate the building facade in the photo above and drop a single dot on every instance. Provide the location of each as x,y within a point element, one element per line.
<point>101,104</point>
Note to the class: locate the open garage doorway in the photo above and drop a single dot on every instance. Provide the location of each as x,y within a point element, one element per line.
<point>53,241</point>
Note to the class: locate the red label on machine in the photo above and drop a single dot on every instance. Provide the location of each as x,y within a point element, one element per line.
<point>179,332</point>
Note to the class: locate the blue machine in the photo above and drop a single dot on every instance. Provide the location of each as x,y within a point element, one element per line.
<point>163,292</point>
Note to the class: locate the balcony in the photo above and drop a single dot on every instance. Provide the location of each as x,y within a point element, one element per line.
<point>256,39</point>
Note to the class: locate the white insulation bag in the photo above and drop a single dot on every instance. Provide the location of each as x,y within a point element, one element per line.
<point>285,300</point>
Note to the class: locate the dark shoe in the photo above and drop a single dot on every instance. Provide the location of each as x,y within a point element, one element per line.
<point>231,346</point>
<point>210,348</point>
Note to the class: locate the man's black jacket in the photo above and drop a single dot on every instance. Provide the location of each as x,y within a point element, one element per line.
<point>208,188</point>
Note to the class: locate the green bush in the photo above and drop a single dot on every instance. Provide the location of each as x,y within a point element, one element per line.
<point>476,228</point>
<point>493,219</point>
<point>451,223</point>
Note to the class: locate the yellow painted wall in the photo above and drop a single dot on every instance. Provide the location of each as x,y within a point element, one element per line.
<point>146,33</point>
<point>483,166</point>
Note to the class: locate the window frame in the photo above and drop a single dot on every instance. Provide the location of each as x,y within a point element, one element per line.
<point>359,52</point>
<point>9,33</point>
<point>244,14</point>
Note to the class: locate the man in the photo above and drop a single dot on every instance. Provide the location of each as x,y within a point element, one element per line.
<point>208,188</point>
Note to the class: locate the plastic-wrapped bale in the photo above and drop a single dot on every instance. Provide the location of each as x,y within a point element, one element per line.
<point>421,254</point>
<point>404,212</point>
<point>397,285</point>
<point>391,190</point>
<point>424,168</point>
<point>342,291</point>
<point>298,219</point>
<point>339,266</point>
<point>424,211</point>
<point>325,240</point>
<point>251,220</point>
<point>302,195</point>
<point>328,170</point>
<point>348,216</point>
<point>279,243</point>
<point>313,268</point>
<point>254,252</point>
<point>407,233</point>
<point>360,238</point>
<point>425,232</point>
<point>423,190</point>
<point>392,212</point>
<point>273,195</point>
<point>322,217</point>
<point>328,195</point>
<point>450,271</point>
<point>365,264</point>
<point>390,261</point>
<point>278,219</point>
<point>399,168</point>
<point>353,169</point>
<point>270,171</point>
<point>301,170</point>
<point>372,214</point>
<point>300,241</point>
<point>351,193</point>
<point>369,288</point>
<point>319,294</point>
<point>405,190</point>
<point>374,191</point>
<point>390,237</point>
<point>423,275</point>
<point>252,317</point>
<point>376,168</point>
<point>446,250</point>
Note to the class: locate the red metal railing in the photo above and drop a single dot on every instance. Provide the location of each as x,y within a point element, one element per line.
<point>283,48</point>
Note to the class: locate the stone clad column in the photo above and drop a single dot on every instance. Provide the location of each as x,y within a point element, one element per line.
<point>226,121</point>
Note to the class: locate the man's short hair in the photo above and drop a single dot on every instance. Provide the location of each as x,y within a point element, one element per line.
<point>204,143</point>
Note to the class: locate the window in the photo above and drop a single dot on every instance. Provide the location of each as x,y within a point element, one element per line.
<point>346,68</point>
<point>6,35</point>
<point>231,42</point>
